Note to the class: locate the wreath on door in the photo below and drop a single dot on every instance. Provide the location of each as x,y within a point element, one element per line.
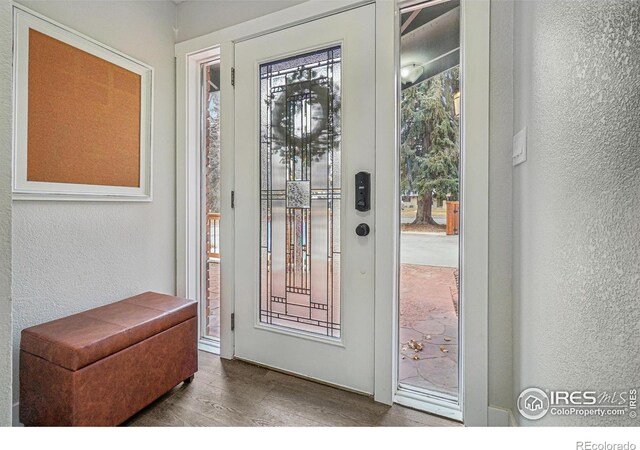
<point>320,102</point>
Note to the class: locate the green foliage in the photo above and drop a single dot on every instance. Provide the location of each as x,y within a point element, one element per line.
<point>430,144</point>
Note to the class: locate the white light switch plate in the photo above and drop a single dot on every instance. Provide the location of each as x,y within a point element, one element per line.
<point>520,147</point>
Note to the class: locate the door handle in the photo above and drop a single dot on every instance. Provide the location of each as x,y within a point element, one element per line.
<point>362,229</point>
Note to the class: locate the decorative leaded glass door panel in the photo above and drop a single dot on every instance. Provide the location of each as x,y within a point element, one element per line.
<point>300,192</point>
<point>304,128</point>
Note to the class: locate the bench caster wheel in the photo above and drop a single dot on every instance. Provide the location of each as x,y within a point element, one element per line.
<point>189,380</point>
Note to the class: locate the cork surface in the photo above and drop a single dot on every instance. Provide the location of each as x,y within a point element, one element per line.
<point>83,119</point>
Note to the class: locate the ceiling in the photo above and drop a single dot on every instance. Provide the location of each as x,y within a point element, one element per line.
<point>430,38</point>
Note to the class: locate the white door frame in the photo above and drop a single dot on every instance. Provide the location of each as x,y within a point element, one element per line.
<point>474,221</point>
<point>193,196</point>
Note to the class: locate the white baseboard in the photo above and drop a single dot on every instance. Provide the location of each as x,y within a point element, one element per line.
<point>15,415</point>
<point>500,417</point>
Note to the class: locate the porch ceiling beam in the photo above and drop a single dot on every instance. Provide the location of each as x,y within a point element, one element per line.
<point>407,22</point>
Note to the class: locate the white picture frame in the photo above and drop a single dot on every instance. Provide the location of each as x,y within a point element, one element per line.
<point>24,189</point>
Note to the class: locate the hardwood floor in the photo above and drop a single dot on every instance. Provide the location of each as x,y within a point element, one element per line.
<point>234,393</point>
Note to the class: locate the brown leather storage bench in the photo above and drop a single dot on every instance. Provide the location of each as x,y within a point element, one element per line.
<point>100,367</point>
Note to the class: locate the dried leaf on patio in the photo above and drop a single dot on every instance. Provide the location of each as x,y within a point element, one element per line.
<point>403,357</point>
<point>415,357</point>
<point>404,349</point>
<point>415,345</point>
<point>447,338</point>
<point>428,337</point>
<point>444,349</point>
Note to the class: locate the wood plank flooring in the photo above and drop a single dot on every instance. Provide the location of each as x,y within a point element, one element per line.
<point>234,393</point>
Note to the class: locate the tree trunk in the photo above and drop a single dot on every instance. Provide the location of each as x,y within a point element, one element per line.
<point>423,215</point>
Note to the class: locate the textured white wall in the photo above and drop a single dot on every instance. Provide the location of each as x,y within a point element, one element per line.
<point>576,200</point>
<point>196,18</point>
<point>72,256</point>
<point>500,214</point>
<point>5,214</point>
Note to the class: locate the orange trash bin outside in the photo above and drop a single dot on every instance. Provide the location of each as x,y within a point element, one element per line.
<point>453,218</point>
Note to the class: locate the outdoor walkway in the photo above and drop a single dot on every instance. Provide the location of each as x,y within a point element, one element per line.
<point>429,249</point>
<point>429,328</point>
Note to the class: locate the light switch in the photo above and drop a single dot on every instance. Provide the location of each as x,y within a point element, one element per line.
<point>520,147</point>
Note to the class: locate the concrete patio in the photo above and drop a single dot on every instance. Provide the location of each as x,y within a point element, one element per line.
<point>428,328</point>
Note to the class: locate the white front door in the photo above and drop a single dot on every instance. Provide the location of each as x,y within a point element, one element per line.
<point>305,126</point>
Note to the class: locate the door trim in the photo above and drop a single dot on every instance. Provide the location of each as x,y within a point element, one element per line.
<point>385,196</point>
<point>189,214</point>
<point>474,215</point>
<point>475,39</point>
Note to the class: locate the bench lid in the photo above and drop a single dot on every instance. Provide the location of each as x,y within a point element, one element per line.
<point>81,339</point>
